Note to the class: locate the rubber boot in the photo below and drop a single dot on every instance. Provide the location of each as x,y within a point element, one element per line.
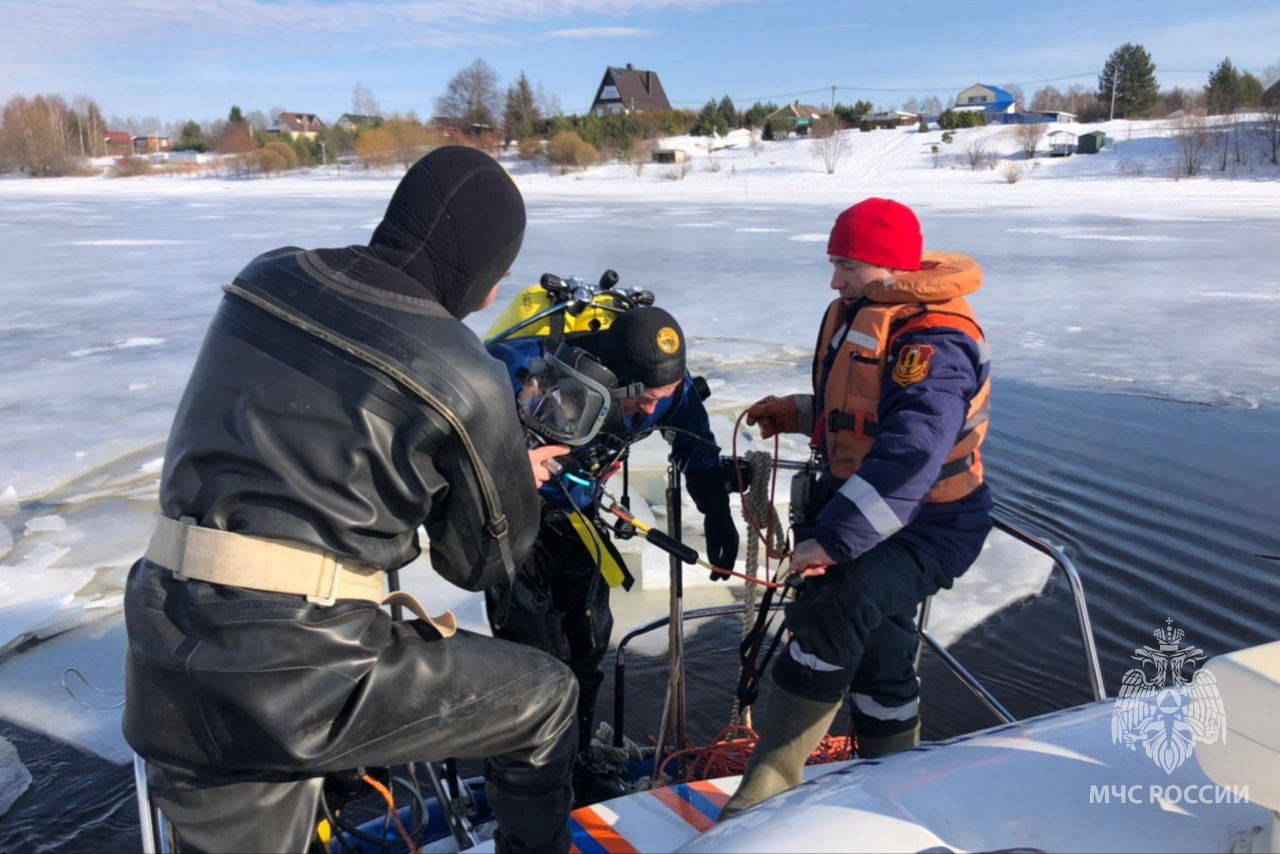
<point>877,746</point>
<point>790,729</point>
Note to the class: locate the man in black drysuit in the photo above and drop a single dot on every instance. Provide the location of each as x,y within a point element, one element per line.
<point>560,601</point>
<point>337,404</point>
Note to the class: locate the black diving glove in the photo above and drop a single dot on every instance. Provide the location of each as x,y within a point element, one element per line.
<point>710,492</point>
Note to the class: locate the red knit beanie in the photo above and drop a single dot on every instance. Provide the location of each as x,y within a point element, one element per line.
<point>878,231</point>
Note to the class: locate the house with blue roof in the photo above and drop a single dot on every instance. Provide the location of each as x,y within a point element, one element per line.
<point>992,100</point>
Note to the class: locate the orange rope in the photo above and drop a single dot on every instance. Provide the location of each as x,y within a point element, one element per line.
<point>393,813</point>
<point>729,752</point>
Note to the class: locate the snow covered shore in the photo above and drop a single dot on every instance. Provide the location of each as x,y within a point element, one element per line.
<point>1135,175</point>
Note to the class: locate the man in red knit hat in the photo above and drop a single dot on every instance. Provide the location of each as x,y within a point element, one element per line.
<point>901,384</point>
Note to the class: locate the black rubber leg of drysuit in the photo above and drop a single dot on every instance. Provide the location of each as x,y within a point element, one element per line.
<point>214,686</point>
<point>269,813</point>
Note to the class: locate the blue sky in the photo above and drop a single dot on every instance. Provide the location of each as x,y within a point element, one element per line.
<point>177,59</point>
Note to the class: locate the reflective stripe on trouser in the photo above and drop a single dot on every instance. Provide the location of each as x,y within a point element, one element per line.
<point>855,626</point>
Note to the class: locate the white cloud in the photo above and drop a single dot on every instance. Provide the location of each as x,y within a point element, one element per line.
<point>597,33</point>
<point>31,25</point>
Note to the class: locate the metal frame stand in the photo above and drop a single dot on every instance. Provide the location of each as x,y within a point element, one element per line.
<point>672,729</point>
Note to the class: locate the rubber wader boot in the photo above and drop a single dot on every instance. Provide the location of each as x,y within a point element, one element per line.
<point>791,728</point>
<point>877,746</point>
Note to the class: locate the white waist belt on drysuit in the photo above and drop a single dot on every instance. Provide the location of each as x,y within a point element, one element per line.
<point>275,566</point>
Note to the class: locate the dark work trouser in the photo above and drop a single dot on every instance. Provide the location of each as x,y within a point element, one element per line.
<point>854,627</point>
<point>560,605</point>
<point>241,701</point>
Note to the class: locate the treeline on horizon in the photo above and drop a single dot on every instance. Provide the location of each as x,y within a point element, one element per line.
<point>47,135</point>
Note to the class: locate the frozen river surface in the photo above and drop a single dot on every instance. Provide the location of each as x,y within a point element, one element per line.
<point>108,294</point>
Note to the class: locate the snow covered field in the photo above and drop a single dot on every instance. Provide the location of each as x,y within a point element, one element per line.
<point>1097,280</point>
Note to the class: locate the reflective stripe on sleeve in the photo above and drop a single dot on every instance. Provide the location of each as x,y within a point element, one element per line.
<point>984,352</point>
<point>864,496</point>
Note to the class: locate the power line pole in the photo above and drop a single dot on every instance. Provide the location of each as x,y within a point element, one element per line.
<point>1115,84</point>
<point>833,98</point>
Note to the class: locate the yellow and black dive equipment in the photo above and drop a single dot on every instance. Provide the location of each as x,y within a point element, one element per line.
<point>557,308</point>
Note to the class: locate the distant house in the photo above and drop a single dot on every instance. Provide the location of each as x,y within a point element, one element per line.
<point>629,90</point>
<point>119,143</point>
<point>992,100</point>
<point>670,155</point>
<point>796,116</point>
<point>354,122</point>
<point>150,144</point>
<point>294,125</point>
<point>1271,97</point>
<point>892,119</point>
<point>1037,116</point>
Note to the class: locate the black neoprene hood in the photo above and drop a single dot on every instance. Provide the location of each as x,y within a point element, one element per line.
<point>454,225</point>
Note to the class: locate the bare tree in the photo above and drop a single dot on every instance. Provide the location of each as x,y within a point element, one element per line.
<point>1016,91</point>
<point>39,136</point>
<point>1194,139</point>
<point>1028,136</point>
<point>548,105</point>
<point>471,98</point>
<point>1047,98</point>
<point>362,101</point>
<point>1270,75</point>
<point>977,156</point>
<point>1270,127</point>
<point>830,144</point>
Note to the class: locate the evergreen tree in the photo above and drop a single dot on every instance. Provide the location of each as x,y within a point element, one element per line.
<point>708,117</point>
<point>521,112</point>
<point>1222,94</point>
<point>727,115</point>
<point>755,116</point>
<point>236,119</point>
<point>191,138</point>
<point>1131,75</point>
<point>1250,90</point>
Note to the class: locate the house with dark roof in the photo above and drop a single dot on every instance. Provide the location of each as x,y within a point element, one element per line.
<point>629,90</point>
<point>354,121</point>
<point>992,100</point>
<point>795,116</point>
<point>1271,97</point>
<point>293,125</point>
<point>119,143</point>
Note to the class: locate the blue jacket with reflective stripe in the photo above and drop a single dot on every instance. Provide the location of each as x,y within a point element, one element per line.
<point>683,411</point>
<point>918,426</point>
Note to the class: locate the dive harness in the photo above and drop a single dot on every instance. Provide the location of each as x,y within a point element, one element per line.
<point>275,566</point>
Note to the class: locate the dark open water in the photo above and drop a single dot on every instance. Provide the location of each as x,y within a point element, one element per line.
<point>1169,509</point>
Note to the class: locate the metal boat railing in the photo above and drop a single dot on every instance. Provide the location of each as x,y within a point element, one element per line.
<point>672,729</point>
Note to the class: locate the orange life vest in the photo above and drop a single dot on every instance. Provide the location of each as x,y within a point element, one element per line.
<point>930,298</point>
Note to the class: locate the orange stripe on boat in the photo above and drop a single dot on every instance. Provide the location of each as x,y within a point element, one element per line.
<point>711,792</point>
<point>692,816</point>
<point>602,832</point>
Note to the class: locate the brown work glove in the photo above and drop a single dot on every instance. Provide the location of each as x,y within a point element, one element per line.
<point>774,415</point>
